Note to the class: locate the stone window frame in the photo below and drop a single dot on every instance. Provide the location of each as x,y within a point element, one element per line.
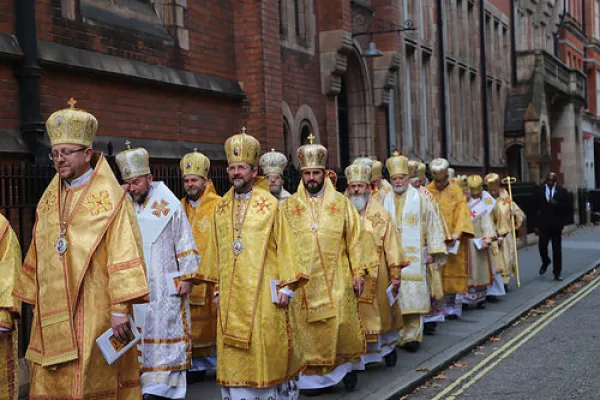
<point>297,25</point>
<point>170,12</point>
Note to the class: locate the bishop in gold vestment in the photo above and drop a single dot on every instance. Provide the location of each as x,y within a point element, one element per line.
<point>199,205</point>
<point>249,257</point>
<point>85,264</point>
<point>381,187</point>
<point>10,309</point>
<point>381,320</point>
<point>505,258</point>
<point>327,232</point>
<point>455,273</point>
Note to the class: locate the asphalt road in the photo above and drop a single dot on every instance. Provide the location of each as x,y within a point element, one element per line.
<point>555,356</point>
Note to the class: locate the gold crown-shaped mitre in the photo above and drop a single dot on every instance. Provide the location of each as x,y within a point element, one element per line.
<point>421,170</point>
<point>133,162</point>
<point>195,163</point>
<point>273,162</point>
<point>492,181</point>
<point>72,126</point>
<point>413,169</point>
<point>475,184</point>
<point>358,172</point>
<point>439,168</point>
<point>397,164</point>
<point>312,155</point>
<point>242,148</point>
<point>463,182</point>
<point>364,161</point>
<point>377,170</point>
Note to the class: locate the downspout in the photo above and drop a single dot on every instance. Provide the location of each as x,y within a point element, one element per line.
<point>513,45</point>
<point>563,18</point>
<point>484,102</point>
<point>442,66</point>
<point>28,76</point>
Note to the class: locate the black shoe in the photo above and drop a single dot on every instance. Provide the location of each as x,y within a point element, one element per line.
<point>429,328</point>
<point>411,346</point>
<point>452,316</point>
<point>544,268</point>
<point>558,278</point>
<point>350,380</point>
<point>465,307</point>
<point>506,288</point>
<point>148,396</point>
<point>391,359</point>
<point>195,376</point>
<point>315,392</point>
<point>492,299</point>
<point>481,305</point>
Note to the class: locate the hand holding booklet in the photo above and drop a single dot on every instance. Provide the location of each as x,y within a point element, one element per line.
<point>390,293</point>
<point>113,348</point>
<point>454,249</point>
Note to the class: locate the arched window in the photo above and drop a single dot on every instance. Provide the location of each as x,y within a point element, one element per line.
<point>305,131</point>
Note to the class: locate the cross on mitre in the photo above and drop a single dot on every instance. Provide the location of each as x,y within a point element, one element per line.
<point>72,102</point>
<point>311,138</point>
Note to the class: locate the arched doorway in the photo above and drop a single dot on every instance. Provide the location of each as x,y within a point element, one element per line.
<point>514,161</point>
<point>356,115</point>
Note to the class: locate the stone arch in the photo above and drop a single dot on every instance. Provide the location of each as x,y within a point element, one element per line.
<point>305,120</point>
<point>288,130</point>
<point>356,113</point>
<point>515,161</point>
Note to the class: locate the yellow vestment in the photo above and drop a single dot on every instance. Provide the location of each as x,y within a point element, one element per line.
<point>204,314</point>
<point>255,338</point>
<point>455,212</point>
<point>331,244</point>
<point>382,190</point>
<point>10,309</point>
<point>375,312</point>
<point>504,258</point>
<point>73,295</point>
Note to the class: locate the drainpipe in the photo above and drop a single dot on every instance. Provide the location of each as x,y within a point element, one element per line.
<point>563,18</point>
<point>442,66</point>
<point>484,103</point>
<point>513,45</point>
<point>28,76</point>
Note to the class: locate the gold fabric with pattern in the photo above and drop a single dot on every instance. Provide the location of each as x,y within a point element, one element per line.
<point>195,163</point>
<point>242,148</point>
<point>133,163</point>
<point>71,126</point>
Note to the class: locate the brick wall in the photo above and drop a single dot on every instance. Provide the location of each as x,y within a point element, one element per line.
<point>9,98</point>
<point>6,16</point>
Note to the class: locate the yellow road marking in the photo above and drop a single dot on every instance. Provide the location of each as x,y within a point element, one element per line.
<point>506,350</point>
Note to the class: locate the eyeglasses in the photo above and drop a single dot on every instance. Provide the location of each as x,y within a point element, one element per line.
<point>64,154</point>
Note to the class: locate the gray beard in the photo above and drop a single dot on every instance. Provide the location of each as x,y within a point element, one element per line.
<point>360,201</point>
<point>399,189</point>
<point>276,190</point>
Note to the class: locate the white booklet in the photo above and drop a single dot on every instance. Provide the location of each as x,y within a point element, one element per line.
<point>390,294</point>
<point>112,348</point>
<point>478,242</point>
<point>274,288</point>
<point>454,249</point>
<point>173,282</point>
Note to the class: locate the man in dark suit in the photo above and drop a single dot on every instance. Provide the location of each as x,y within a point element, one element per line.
<point>554,203</point>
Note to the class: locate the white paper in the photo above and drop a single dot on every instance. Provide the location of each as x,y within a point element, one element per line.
<point>112,348</point>
<point>274,284</point>
<point>173,282</point>
<point>390,294</point>
<point>478,242</point>
<point>454,249</point>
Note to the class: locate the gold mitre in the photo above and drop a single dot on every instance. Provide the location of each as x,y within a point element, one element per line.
<point>364,160</point>
<point>421,170</point>
<point>475,184</point>
<point>273,162</point>
<point>242,148</point>
<point>413,169</point>
<point>358,172</point>
<point>312,155</point>
<point>397,164</point>
<point>463,182</point>
<point>195,164</point>
<point>72,126</point>
<point>133,162</point>
<point>439,168</point>
<point>492,181</point>
<point>377,170</point>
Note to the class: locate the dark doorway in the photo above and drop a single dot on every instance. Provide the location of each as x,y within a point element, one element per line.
<point>514,162</point>
<point>343,124</point>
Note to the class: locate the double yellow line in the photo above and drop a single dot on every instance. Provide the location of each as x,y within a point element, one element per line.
<point>477,372</point>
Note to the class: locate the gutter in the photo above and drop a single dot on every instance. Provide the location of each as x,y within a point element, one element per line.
<point>513,44</point>
<point>483,77</point>
<point>442,67</point>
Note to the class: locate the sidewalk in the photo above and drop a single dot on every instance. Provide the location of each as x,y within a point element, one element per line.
<point>581,252</point>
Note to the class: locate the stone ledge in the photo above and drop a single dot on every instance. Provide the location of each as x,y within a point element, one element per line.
<point>53,54</point>
<point>9,47</point>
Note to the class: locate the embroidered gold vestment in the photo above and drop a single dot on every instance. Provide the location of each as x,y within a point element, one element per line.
<point>333,246</point>
<point>202,310</point>
<point>455,211</point>
<point>73,295</point>
<point>375,312</point>
<point>256,346</point>
<point>504,258</point>
<point>10,309</point>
